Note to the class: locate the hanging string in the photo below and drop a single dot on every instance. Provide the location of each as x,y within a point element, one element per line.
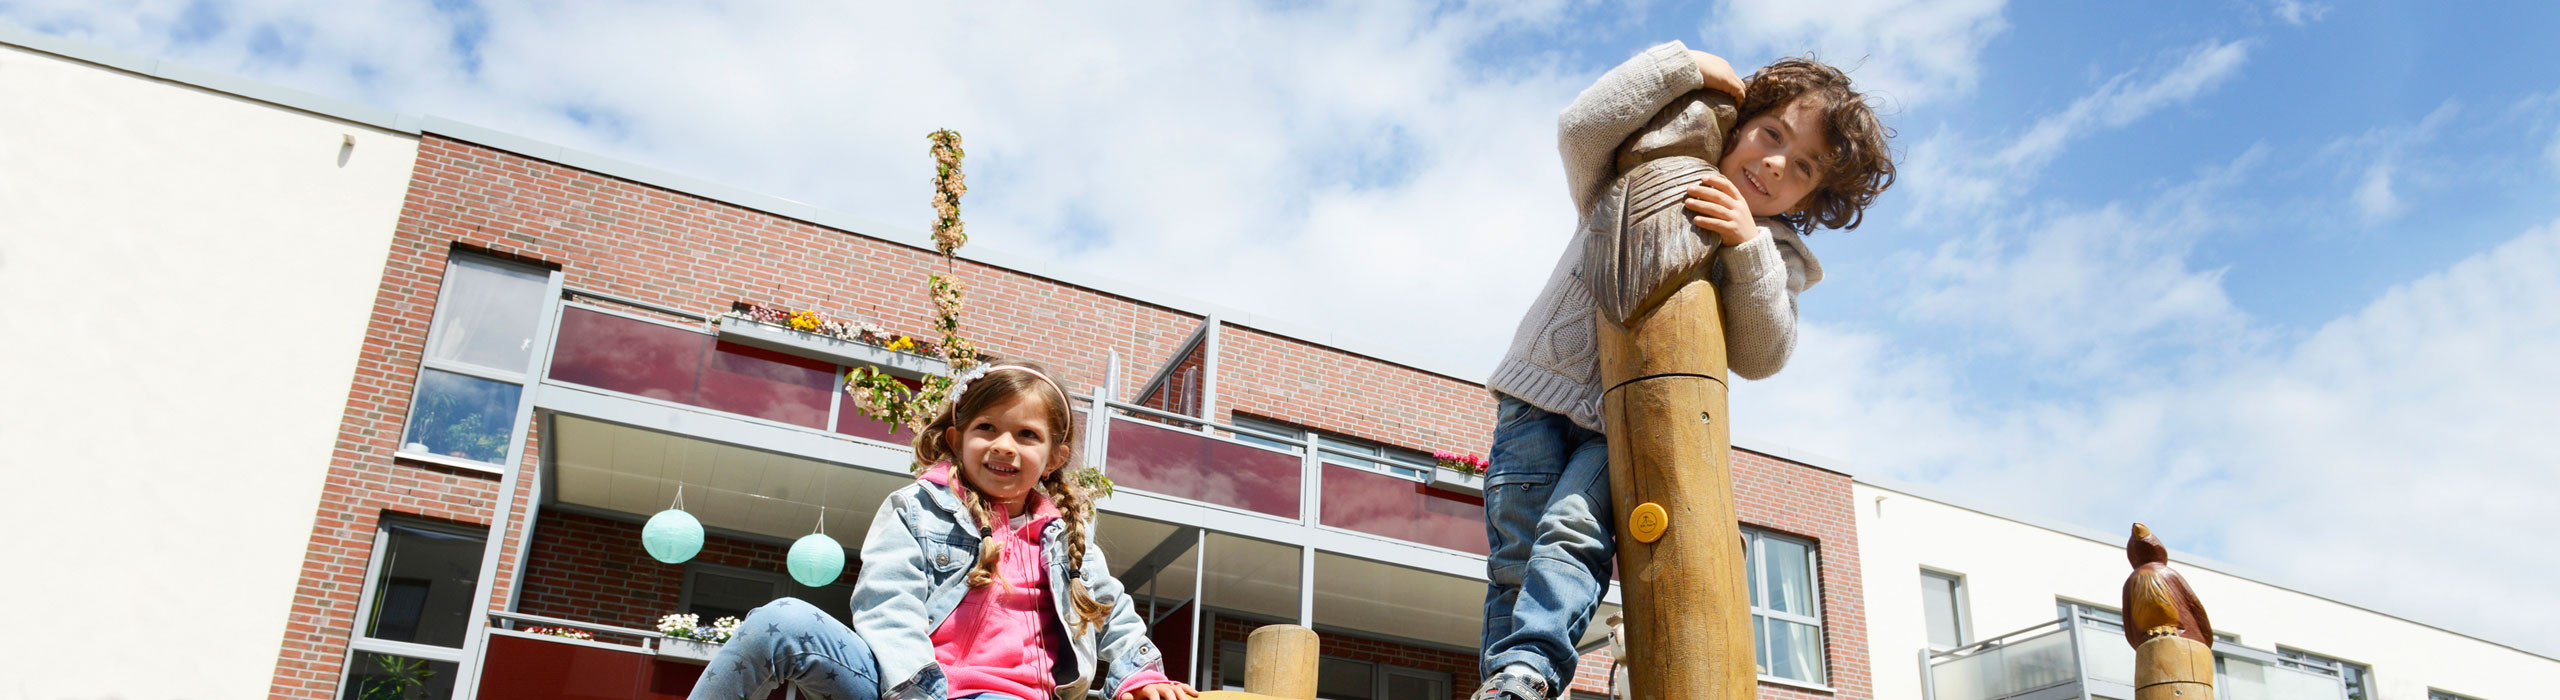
<point>679,495</point>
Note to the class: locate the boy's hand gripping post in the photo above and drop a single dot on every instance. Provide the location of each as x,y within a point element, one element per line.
<point>1662,366</point>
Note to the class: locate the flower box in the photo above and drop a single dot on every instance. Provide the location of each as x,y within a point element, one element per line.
<point>687,650</point>
<point>838,350</point>
<point>1457,481</point>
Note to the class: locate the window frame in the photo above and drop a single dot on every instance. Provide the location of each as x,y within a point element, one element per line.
<point>1963,612</point>
<point>2442,694</point>
<point>359,644</point>
<point>545,321</point>
<point>1755,558</point>
<point>1339,450</point>
<point>2290,656</point>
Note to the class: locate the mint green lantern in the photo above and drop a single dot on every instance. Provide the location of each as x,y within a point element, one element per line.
<point>672,536</point>
<point>816,560</point>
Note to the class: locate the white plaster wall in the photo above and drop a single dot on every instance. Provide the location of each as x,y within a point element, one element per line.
<point>2013,572</point>
<point>185,279</point>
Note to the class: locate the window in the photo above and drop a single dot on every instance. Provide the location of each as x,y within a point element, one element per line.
<point>1942,602</point>
<point>2093,615</point>
<point>712,591</point>
<point>1339,678</point>
<point>1342,451</point>
<point>2434,694</point>
<point>1786,617</point>
<point>489,321</point>
<point>420,594</point>
<point>2356,677</point>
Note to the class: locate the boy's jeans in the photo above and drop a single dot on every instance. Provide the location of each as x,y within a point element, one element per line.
<point>1547,517</point>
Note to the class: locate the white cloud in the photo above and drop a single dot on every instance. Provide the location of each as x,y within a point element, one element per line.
<point>2123,100</point>
<point>2298,13</point>
<point>1906,51</point>
<point>2373,194</point>
<point>2412,431</point>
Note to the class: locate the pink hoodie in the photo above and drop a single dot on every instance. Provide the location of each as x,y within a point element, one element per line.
<point>992,643</point>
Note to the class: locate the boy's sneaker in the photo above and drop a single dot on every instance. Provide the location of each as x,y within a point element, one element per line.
<point>1513,682</point>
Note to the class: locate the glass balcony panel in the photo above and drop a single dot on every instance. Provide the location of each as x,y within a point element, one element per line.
<point>766,384</point>
<point>1979,676</point>
<point>2110,659</point>
<point>1379,504</point>
<point>605,351</point>
<point>2240,679</point>
<point>850,421</point>
<point>2298,684</point>
<point>1187,464</point>
<point>462,416</point>
<point>2039,662</point>
<point>379,675</point>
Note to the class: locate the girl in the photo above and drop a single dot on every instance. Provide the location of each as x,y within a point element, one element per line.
<point>979,581</point>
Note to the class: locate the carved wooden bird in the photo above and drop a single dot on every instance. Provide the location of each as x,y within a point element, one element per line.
<point>2157,601</point>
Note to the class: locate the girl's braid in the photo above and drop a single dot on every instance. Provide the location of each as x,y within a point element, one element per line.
<point>1078,511</point>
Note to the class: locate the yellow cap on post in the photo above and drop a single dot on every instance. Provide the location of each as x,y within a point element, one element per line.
<point>1648,521</point>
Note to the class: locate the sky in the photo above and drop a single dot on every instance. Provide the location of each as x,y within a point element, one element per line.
<point>2281,279</point>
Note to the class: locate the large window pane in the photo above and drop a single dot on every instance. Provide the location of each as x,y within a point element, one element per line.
<point>462,416</point>
<point>714,594</point>
<point>1795,651</point>
<point>1789,576</point>
<point>378,676</point>
<point>422,592</point>
<point>1938,600</point>
<point>488,315</point>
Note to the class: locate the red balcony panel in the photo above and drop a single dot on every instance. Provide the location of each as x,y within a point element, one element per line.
<point>634,357</point>
<point>1187,464</point>
<point>1378,504</point>
<point>766,384</point>
<point>850,421</point>
<point>531,669</point>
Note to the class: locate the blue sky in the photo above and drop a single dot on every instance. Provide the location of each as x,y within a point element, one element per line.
<point>2276,277</point>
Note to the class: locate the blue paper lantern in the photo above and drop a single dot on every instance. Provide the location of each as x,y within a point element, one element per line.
<point>672,536</point>
<point>816,560</point>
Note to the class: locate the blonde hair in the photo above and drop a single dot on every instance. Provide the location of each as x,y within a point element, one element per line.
<point>1003,381</point>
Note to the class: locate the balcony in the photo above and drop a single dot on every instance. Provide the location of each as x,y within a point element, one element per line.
<point>2084,656</point>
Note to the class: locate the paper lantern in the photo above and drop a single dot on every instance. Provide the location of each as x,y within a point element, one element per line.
<point>816,560</point>
<point>672,536</point>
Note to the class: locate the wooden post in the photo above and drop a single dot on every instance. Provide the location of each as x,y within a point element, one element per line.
<point>1679,548</point>
<point>2172,668</point>
<point>1279,664</point>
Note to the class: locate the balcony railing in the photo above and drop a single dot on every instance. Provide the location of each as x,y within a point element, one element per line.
<point>779,380</point>
<point>619,664</point>
<point>2086,657</point>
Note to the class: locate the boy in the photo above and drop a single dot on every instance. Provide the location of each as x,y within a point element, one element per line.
<point>1805,151</point>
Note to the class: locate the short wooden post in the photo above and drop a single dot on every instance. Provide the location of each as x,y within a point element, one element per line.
<point>1679,548</point>
<point>1279,664</point>
<point>2172,668</point>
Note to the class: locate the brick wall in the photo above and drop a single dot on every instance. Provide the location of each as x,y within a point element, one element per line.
<point>1294,381</point>
<point>588,568</point>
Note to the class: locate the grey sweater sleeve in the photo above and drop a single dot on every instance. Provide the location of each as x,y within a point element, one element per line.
<point>1589,131</point>
<point>1761,280</point>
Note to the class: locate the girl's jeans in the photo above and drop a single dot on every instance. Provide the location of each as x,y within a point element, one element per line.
<point>791,641</point>
<point>1547,517</point>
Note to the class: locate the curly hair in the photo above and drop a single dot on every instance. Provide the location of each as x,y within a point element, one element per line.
<point>1860,164</point>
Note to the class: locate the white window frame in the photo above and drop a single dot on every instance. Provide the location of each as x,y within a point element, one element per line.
<point>545,319</point>
<point>1755,557</point>
<point>1963,608</point>
<point>358,644</point>
<point>2335,666</point>
<point>1354,453</point>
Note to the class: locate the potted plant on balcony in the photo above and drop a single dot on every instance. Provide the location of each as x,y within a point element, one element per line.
<point>687,640</point>
<point>1459,472</point>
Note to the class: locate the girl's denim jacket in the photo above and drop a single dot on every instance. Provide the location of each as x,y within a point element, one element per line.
<point>915,570</point>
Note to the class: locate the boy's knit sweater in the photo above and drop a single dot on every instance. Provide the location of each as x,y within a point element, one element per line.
<point>1554,359</point>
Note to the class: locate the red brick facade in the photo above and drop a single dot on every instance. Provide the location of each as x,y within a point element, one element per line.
<point>636,241</point>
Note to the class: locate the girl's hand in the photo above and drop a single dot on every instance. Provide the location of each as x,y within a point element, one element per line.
<point>1161,691</point>
<point>1718,73</point>
<point>1715,205</point>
